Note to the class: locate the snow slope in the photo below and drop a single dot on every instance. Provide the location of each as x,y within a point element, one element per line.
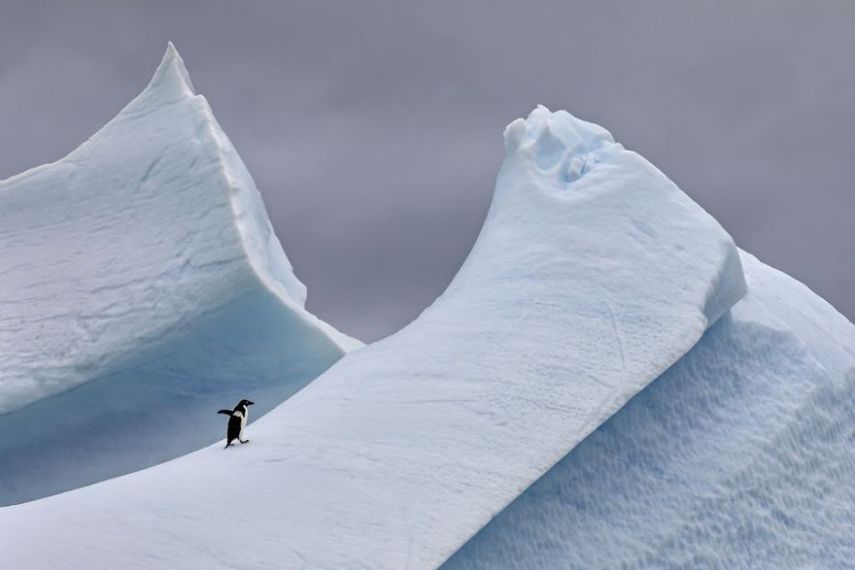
<point>593,274</point>
<point>739,456</point>
<point>143,290</point>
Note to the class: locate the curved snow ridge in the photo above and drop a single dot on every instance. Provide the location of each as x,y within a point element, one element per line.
<point>576,295</point>
<point>142,280</point>
<point>738,456</point>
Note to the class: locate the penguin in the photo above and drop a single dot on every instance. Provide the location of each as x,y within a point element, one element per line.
<point>237,421</point>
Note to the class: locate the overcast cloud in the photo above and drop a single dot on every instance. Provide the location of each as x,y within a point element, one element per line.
<point>373,129</point>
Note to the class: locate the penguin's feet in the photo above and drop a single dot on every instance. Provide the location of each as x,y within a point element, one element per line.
<point>244,441</point>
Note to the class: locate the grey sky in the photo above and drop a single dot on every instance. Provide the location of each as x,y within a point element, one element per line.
<point>373,129</point>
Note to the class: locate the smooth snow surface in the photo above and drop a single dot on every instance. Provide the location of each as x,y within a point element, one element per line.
<point>742,455</point>
<point>143,290</point>
<point>593,274</point>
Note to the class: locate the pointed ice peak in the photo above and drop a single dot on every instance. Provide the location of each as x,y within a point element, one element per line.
<point>171,79</point>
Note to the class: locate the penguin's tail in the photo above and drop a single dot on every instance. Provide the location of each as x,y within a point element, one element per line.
<point>227,412</point>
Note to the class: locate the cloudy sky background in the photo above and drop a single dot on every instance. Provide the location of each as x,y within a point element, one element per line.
<point>373,129</point>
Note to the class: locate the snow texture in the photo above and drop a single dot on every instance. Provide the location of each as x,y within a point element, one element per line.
<point>593,274</point>
<point>143,289</point>
<point>739,456</point>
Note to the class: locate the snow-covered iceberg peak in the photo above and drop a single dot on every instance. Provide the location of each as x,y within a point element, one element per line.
<point>560,170</point>
<point>556,143</point>
<point>170,82</point>
<point>142,271</point>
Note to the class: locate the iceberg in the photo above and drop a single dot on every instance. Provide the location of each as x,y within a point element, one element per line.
<point>608,381</point>
<point>143,290</point>
<point>592,276</point>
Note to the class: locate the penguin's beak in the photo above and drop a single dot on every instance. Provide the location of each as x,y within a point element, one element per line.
<point>250,403</point>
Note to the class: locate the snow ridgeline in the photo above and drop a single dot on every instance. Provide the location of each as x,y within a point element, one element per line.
<point>143,289</point>
<point>593,275</point>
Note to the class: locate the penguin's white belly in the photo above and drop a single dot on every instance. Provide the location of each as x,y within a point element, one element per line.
<point>243,418</point>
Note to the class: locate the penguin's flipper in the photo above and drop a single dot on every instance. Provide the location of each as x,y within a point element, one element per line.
<point>227,412</point>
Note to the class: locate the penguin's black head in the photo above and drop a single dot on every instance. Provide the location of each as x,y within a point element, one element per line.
<point>245,403</point>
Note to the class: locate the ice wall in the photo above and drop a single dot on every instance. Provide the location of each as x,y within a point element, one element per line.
<point>739,456</point>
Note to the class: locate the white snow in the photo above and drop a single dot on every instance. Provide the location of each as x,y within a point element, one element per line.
<point>143,289</point>
<point>593,274</point>
<point>739,456</point>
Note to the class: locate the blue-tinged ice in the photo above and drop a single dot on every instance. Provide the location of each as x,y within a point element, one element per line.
<point>607,382</point>
<point>739,456</point>
<point>143,289</point>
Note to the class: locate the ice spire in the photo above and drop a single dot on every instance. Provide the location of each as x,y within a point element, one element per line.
<point>171,80</point>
